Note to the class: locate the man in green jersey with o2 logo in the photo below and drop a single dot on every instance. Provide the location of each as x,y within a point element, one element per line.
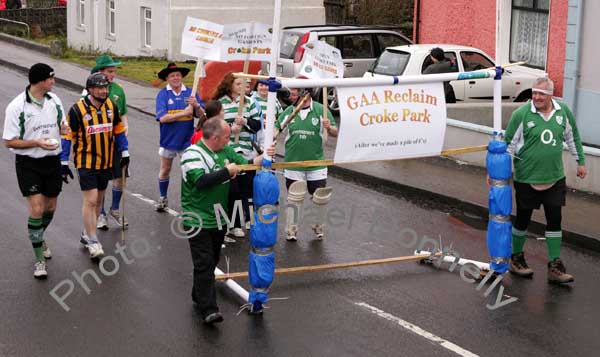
<point>535,135</point>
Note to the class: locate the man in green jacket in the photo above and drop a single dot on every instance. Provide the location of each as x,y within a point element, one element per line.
<point>535,136</point>
<point>207,168</point>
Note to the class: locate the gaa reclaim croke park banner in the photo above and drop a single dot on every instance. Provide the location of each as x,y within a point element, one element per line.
<point>391,122</point>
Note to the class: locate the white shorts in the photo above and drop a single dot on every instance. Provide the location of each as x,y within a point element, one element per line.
<point>314,175</point>
<point>169,154</point>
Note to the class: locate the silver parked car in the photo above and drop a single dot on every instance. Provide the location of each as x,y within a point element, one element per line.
<point>359,45</point>
<point>517,80</point>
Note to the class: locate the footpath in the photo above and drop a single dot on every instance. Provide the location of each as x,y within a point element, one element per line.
<point>440,181</point>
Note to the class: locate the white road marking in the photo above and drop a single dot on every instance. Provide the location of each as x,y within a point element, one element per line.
<point>152,202</point>
<point>419,331</point>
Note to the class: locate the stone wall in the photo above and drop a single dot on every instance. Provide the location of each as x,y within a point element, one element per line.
<point>42,21</point>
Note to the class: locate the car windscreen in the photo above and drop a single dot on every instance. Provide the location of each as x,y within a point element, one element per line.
<point>391,63</point>
<point>289,40</point>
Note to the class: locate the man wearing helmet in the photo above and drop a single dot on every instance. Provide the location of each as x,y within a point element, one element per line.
<point>95,125</point>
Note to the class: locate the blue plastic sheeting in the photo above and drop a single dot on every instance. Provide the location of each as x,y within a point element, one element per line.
<point>499,236</point>
<point>261,269</point>
<point>264,235</point>
<point>498,161</point>
<point>266,189</point>
<point>500,200</point>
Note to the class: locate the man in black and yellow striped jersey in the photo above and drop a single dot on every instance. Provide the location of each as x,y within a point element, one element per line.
<point>95,127</point>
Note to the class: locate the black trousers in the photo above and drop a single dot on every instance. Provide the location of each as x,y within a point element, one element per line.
<point>205,247</point>
<point>241,189</point>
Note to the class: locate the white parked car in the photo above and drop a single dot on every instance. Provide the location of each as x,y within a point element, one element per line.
<point>517,81</point>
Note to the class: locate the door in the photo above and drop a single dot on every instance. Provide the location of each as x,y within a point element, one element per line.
<point>480,89</point>
<point>358,52</point>
<point>457,86</point>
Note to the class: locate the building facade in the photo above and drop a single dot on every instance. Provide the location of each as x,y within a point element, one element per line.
<point>554,35</point>
<point>532,30</point>
<point>582,72</point>
<point>153,27</point>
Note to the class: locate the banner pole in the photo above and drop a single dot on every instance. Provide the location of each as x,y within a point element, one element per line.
<point>198,73</point>
<point>325,112</point>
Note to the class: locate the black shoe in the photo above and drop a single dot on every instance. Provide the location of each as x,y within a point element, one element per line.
<point>518,265</point>
<point>213,318</point>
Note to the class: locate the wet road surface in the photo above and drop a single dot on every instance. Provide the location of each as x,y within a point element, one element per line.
<point>403,309</point>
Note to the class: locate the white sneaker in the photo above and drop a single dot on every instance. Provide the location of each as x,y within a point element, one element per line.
<point>102,222</point>
<point>47,252</point>
<point>319,231</point>
<point>84,240</point>
<point>116,216</point>
<point>162,204</point>
<point>291,237</point>
<point>95,250</point>
<point>238,233</point>
<point>39,270</point>
<point>229,240</point>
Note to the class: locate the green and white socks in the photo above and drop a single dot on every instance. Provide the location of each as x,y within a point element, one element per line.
<point>36,236</point>
<point>518,240</point>
<point>553,241</point>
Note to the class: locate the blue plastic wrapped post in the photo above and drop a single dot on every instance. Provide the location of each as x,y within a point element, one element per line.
<point>263,236</point>
<point>499,233</point>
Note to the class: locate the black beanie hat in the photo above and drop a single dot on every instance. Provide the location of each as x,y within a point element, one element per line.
<point>40,72</point>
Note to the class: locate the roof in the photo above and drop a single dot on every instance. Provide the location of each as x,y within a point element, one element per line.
<point>427,47</point>
<point>333,27</point>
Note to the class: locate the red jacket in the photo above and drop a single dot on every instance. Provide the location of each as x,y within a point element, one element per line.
<point>196,137</point>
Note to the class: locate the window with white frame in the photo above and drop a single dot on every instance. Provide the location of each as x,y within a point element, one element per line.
<point>146,27</point>
<point>110,18</point>
<point>529,32</point>
<point>81,13</point>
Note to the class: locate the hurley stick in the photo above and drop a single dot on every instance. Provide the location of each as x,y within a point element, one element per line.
<point>242,101</point>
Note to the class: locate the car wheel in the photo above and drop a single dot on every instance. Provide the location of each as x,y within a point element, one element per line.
<point>332,100</point>
<point>524,96</point>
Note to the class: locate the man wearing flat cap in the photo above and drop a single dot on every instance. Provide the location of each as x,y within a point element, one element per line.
<point>107,66</point>
<point>175,110</point>
<point>33,123</point>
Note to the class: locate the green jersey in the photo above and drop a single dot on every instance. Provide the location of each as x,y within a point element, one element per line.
<point>304,140</point>
<point>230,107</point>
<point>116,93</point>
<point>198,160</point>
<point>537,142</point>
